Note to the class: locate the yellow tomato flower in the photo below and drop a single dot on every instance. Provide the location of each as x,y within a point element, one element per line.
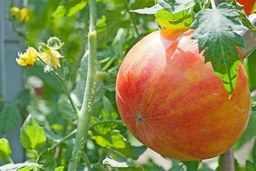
<point>24,15</point>
<point>51,56</point>
<point>28,58</point>
<point>15,11</point>
<point>20,14</point>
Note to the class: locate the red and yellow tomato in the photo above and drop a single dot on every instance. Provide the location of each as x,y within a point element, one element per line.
<point>172,101</point>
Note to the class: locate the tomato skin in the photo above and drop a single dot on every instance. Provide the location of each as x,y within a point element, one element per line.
<point>172,101</point>
<point>248,5</point>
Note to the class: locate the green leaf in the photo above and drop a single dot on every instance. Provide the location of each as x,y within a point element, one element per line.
<point>20,167</point>
<point>32,135</point>
<point>251,59</point>
<point>254,153</point>
<point>108,108</point>
<point>116,141</point>
<point>173,20</point>
<point>246,22</point>
<point>177,166</point>
<point>47,160</point>
<point>176,6</point>
<point>249,166</point>
<point>191,165</point>
<point>150,10</point>
<point>215,33</point>
<point>23,98</point>
<point>249,132</point>
<point>8,118</point>
<point>108,26</point>
<point>66,109</point>
<point>111,164</point>
<point>69,8</point>
<point>60,168</point>
<point>110,140</point>
<point>5,150</point>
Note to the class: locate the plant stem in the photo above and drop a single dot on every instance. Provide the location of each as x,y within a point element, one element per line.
<point>213,4</point>
<point>132,19</point>
<point>63,82</point>
<point>63,139</point>
<point>84,114</point>
<point>227,161</point>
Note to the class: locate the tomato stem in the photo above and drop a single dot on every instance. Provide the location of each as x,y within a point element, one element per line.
<point>213,4</point>
<point>227,161</point>
<point>84,114</point>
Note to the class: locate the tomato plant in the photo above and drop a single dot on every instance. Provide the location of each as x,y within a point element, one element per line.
<point>182,63</point>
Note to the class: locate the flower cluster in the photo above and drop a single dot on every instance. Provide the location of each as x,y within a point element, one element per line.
<point>48,54</point>
<point>22,15</point>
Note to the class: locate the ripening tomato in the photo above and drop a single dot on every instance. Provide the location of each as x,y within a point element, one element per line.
<point>172,101</point>
<point>248,5</point>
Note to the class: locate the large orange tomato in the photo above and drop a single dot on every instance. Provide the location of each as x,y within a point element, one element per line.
<point>248,5</point>
<point>173,102</point>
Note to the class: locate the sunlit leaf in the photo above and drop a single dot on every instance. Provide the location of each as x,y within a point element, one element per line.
<point>60,168</point>
<point>116,141</point>
<point>32,135</point>
<point>176,6</point>
<point>170,20</point>
<point>20,166</point>
<point>5,150</point>
<point>150,10</point>
<point>69,8</point>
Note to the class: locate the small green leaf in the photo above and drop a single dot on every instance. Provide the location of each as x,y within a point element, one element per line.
<point>167,19</point>
<point>110,140</point>
<point>32,135</point>
<point>177,5</point>
<point>65,109</point>
<point>47,159</point>
<point>246,22</point>
<point>116,141</point>
<point>177,165</point>
<point>215,33</point>
<point>69,8</point>
<point>191,165</point>
<point>108,26</point>
<point>60,168</point>
<point>5,150</point>
<point>108,108</point>
<point>20,167</point>
<point>150,10</point>
<point>249,166</point>
<point>8,118</point>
